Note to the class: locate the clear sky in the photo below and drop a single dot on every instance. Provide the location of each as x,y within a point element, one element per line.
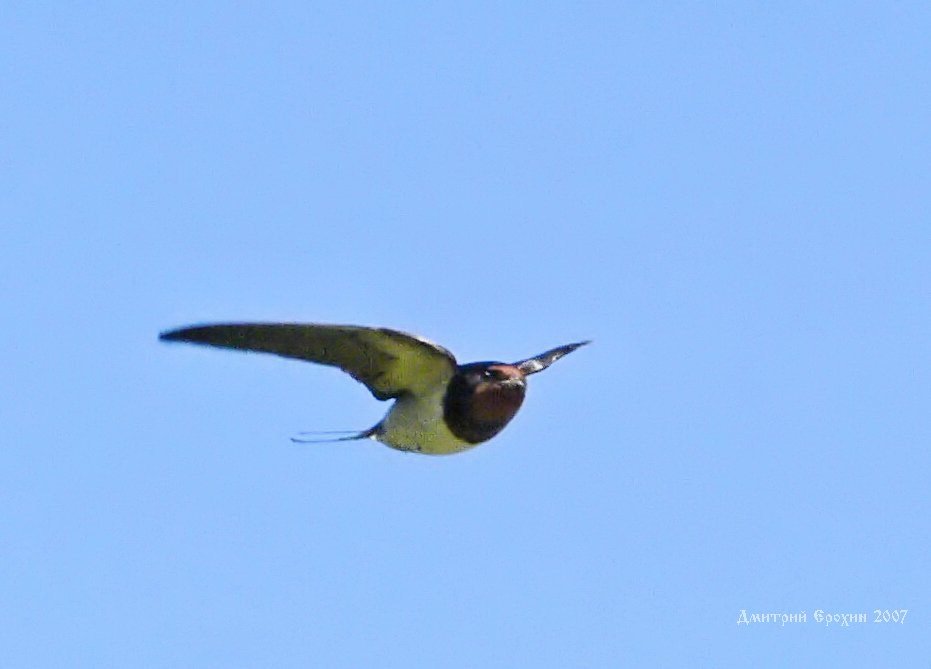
<point>732,201</point>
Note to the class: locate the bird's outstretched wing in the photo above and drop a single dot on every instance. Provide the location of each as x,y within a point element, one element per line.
<point>540,362</point>
<point>388,362</point>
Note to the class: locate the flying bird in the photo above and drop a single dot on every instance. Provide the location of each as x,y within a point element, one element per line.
<point>441,407</point>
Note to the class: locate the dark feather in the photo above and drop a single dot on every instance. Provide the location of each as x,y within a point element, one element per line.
<point>388,362</point>
<point>540,362</point>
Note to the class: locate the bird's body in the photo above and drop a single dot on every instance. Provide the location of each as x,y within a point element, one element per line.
<point>415,423</point>
<point>441,407</point>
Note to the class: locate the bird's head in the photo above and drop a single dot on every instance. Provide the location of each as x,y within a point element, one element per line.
<point>482,398</point>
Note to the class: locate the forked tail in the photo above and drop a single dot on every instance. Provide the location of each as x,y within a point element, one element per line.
<point>351,435</point>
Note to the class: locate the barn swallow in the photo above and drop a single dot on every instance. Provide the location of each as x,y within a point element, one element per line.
<point>440,407</point>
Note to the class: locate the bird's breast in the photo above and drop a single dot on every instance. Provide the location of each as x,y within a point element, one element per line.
<point>477,414</point>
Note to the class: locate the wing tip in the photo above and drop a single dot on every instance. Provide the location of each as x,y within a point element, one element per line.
<point>192,334</point>
<point>569,348</point>
<point>171,335</point>
<point>201,333</point>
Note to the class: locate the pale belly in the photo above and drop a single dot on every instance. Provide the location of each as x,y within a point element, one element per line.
<point>417,425</point>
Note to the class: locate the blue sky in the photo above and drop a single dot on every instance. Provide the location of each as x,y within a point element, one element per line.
<point>732,201</point>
